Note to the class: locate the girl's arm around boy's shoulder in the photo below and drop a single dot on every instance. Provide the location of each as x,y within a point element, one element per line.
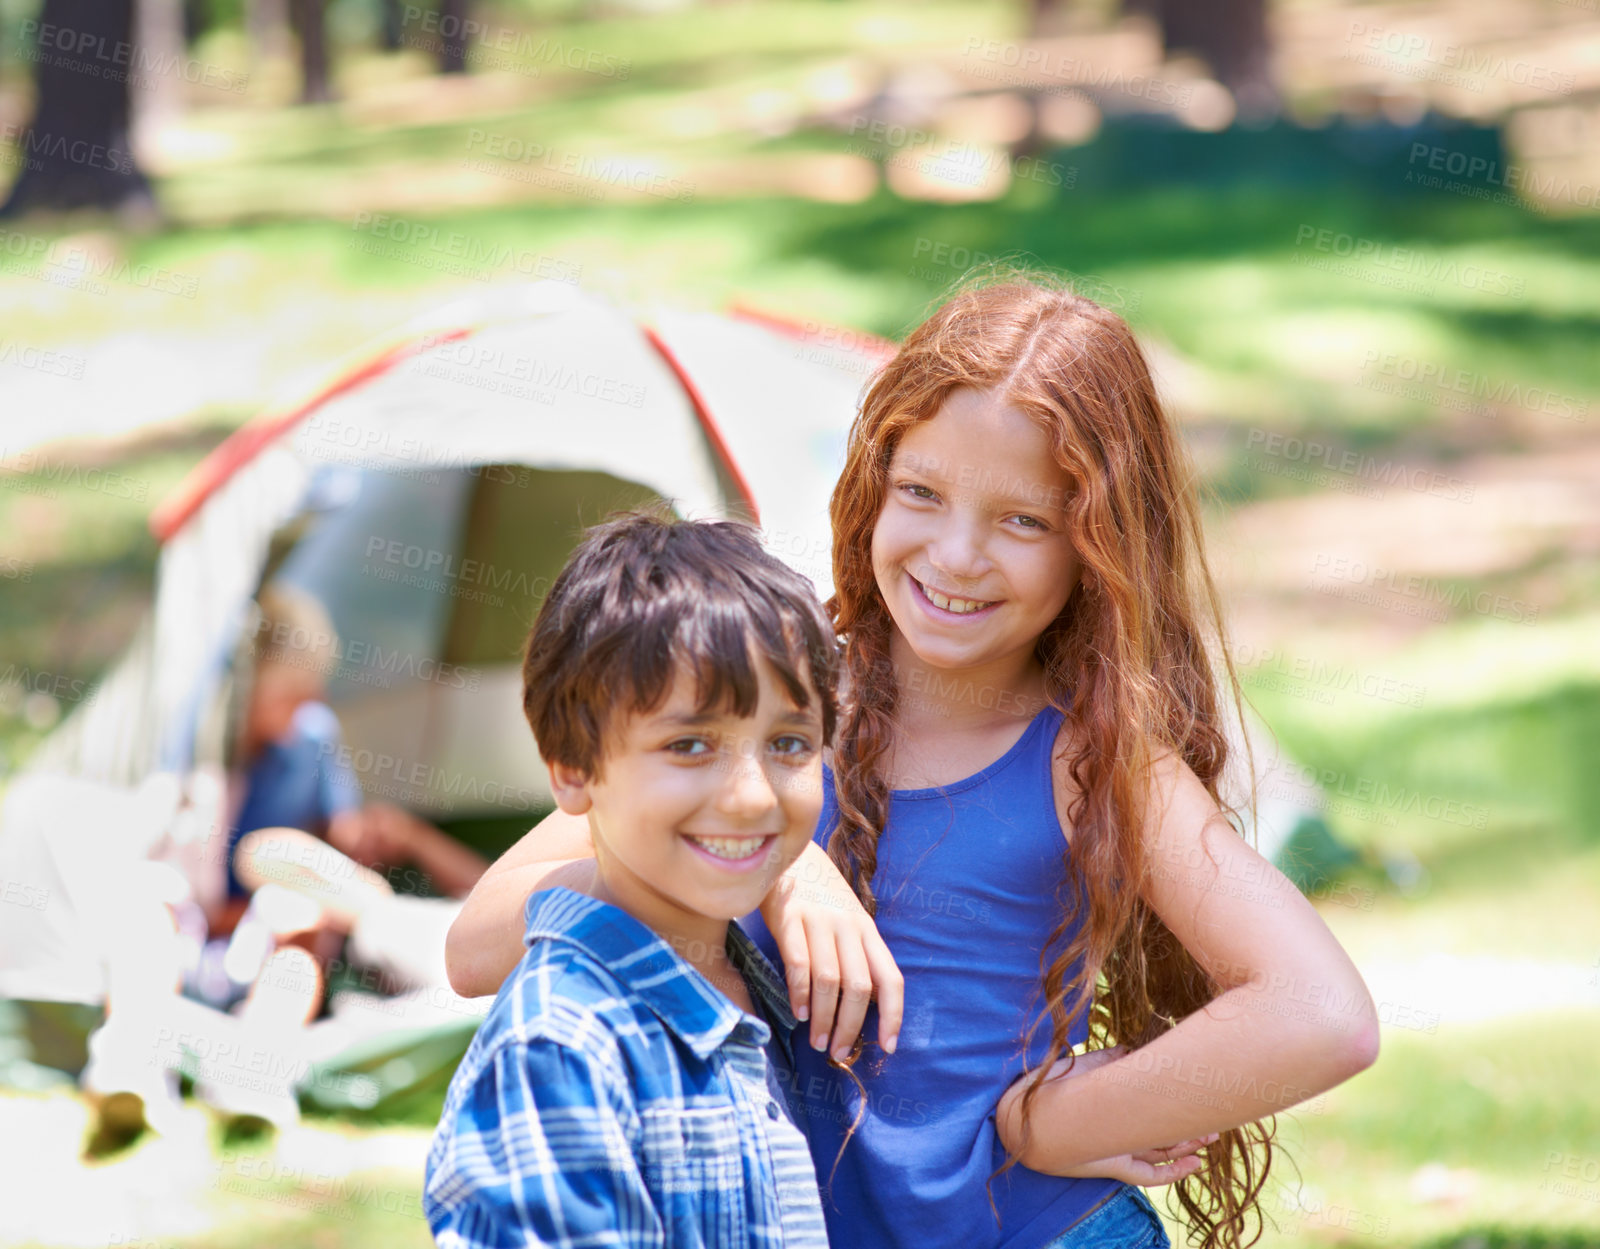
<point>485,941</point>
<point>834,959</point>
<point>1294,1017</point>
<point>539,1148</point>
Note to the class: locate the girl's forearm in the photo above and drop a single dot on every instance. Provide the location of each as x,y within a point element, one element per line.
<point>484,944</point>
<point>485,941</point>
<point>1254,1051</point>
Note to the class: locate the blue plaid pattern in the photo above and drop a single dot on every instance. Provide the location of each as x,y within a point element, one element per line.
<point>613,1098</point>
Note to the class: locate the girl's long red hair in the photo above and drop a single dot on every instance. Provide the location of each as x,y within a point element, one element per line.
<point>1129,661</point>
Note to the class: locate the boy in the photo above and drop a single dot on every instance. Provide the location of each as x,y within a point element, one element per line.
<point>680,684</point>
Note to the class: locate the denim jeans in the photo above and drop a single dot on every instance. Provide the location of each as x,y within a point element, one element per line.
<point>1125,1220</point>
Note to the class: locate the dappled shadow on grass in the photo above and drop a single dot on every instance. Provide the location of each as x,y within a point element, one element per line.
<point>1569,332</point>
<point>1071,228</point>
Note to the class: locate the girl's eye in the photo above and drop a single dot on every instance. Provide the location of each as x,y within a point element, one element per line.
<point>917,491</point>
<point>792,746</point>
<point>689,747</point>
<point>1030,522</point>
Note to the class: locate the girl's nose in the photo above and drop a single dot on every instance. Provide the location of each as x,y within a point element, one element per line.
<point>957,551</point>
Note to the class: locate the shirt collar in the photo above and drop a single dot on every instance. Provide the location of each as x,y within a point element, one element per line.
<point>654,973</point>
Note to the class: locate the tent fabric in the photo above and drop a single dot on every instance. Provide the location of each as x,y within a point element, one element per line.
<point>546,377</point>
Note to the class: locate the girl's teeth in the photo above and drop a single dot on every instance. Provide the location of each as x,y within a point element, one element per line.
<point>958,605</point>
<point>729,847</point>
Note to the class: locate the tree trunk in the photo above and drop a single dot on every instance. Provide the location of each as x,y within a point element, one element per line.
<point>157,101</point>
<point>453,38</point>
<point>311,26</point>
<point>76,152</point>
<point>393,28</point>
<point>1232,37</point>
<point>268,23</point>
<point>196,19</point>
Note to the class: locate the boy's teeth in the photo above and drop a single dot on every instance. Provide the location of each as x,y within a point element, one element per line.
<point>729,847</point>
<point>958,605</point>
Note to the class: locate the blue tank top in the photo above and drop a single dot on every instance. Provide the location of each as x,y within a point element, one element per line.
<point>970,884</point>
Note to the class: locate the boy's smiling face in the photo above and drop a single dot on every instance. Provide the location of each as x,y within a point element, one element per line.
<point>695,815</point>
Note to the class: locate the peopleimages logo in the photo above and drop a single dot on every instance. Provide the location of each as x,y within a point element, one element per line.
<point>68,264</point>
<point>1016,62</point>
<point>406,778</point>
<point>26,680</point>
<point>1428,597</point>
<point>1471,173</point>
<point>1420,55</point>
<point>365,662</point>
<point>1285,455</point>
<point>1277,669</point>
<point>521,46</point>
<point>599,171</point>
<point>1389,372</point>
<point>117,60</point>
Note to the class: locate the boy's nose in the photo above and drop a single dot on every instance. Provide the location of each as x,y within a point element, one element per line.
<point>748,793</point>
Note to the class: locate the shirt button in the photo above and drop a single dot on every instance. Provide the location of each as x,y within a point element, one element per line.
<point>772,1110</point>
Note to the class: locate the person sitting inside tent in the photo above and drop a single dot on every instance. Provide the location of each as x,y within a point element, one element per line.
<point>288,761</point>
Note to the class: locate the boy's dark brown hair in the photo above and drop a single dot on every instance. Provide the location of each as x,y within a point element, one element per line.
<point>642,594</point>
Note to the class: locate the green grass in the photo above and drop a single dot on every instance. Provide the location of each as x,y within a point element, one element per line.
<point>1503,1108</point>
<point>1214,275</point>
<point>79,531</point>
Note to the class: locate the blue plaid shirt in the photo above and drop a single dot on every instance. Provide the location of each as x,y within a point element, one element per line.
<point>613,1097</point>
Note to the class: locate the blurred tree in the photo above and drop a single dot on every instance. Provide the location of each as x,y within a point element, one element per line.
<point>392,26</point>
<point>268,24</point>
<point>197,17</point>
<point>453,17</point>
<point>157,99</point>
<point>1232,37</point>
<point>77,152</point>
<point>310,21</point>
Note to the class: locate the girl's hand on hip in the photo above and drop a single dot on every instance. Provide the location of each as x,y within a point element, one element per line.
<point>1147,1169</point>
<point>835,959</point>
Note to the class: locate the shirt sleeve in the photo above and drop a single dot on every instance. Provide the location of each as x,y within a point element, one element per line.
<point>338,790</point>
<point>537,1153</point>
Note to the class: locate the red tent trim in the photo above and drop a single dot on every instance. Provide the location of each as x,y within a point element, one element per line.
<point>703,414</point>
<point>814,331</point>
<point>250,439</point>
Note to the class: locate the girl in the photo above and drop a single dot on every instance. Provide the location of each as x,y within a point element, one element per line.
<point>1025,795</point>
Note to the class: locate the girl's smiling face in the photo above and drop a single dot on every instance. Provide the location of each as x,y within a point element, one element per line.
<point>971,551</point>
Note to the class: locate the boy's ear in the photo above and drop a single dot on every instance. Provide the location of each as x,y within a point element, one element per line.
<point>570,788</point>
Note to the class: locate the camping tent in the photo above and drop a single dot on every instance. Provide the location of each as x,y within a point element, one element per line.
<point>426,495</point>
